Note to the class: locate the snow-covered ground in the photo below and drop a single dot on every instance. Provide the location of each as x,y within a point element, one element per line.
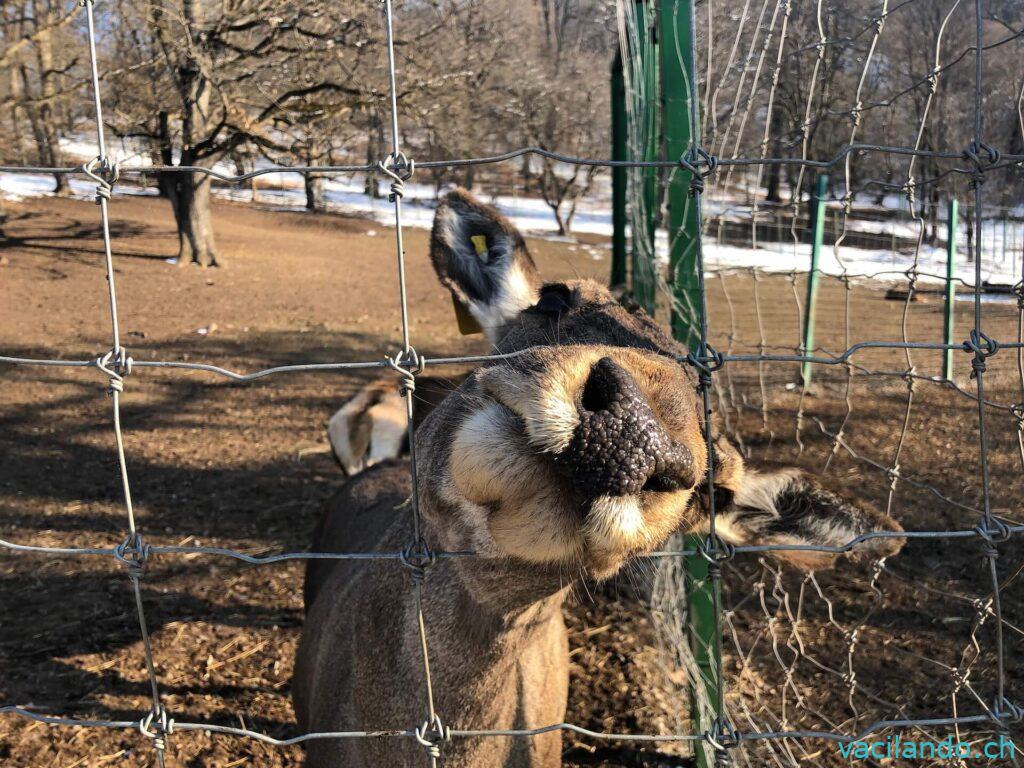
<point>1002,242</point>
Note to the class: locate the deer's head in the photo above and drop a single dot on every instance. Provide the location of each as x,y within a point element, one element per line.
<point>587,446</point>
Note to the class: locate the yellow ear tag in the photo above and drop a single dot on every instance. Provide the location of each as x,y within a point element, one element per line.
<point>480,243</point>
<point>468,326</point>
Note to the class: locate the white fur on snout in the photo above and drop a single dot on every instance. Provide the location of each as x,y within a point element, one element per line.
<point>614,523</point>
<point>545,404</point>
<point>506,494</point>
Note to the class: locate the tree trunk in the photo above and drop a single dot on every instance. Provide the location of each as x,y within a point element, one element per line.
<point>774,180</point>
<point>16,97</point>
<point>314,192</point>
<point>772,184</point>
<point>570,216</point>
<point>161,150</point>
<point>526,170</point>
<point>374,144</point>
<point>189,194</point>
<point>43,132</point>
<point>970,235</point>
<point>556,209</point>
<point>554,194</point>
<point>47,135</point>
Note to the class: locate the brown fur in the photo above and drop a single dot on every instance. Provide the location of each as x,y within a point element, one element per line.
<point>493,478</point>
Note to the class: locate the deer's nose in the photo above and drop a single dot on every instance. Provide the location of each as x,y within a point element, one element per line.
<point>619,447</point>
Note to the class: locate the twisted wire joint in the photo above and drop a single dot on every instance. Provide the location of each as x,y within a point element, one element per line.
<point>399,169</point>
<point>431,734</point>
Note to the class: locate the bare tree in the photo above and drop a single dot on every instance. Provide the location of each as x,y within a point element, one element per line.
<point>40,69</point>
<point>229,75</point>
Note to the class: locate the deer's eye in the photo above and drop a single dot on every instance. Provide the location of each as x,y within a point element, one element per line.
<point>555,300</point>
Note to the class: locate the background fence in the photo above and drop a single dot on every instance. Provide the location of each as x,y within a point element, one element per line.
<point>668,172</point>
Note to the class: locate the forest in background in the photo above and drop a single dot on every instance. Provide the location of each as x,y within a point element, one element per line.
<point>242,82</point>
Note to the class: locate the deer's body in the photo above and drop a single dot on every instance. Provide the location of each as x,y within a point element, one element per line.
<point>498,665</point>
<point>583,449</point>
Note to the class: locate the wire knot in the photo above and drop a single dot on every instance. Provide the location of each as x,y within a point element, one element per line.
<point>722,737</point>
<point>707,364</point>
<point>959,678</point>
<point>133,553</point>
<point>408,364</point>
<point>909,189</point>
<point>417,557</point>
<point>983,609</point>
<point>431,734</point>
<point>716,551</point>
<point>399,169</point>
<point>106,178</point>
<point>116,364</point>
<point>1007,712</point>
<point>162,727</point>
<point>701,164</point>
<point>855,113</point>
<point>983,348</point>
<point>933,80</point>
<point>893,473</point>
<point>992,531</point>
<point>974,152</point>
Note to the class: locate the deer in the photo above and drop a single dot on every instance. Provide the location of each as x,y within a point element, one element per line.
<point>582,447</point>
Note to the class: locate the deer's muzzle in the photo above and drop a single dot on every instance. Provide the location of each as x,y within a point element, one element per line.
<point>619,447</point>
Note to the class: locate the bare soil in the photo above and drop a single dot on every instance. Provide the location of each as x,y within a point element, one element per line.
<point>246,466</point>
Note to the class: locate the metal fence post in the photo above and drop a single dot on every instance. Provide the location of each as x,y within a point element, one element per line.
<point>817,239</point>
<point>952,225</point>
<point>618,276</point>
<point>683,229</point>
<point>680,120</point>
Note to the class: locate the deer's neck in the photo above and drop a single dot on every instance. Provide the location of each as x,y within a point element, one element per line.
<point>497,644</point>
<point>487,605</point>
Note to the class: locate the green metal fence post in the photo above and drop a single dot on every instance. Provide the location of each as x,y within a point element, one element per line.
<point>952,225</point>
<point>683,227</point>
<point>817,239</point>
<point>618,276</point>
<point>680,121</point>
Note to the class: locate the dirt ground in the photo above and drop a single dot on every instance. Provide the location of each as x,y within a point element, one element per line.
<point>246,466</point>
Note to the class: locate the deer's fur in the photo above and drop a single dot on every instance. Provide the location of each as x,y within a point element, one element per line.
<point>554,465</point>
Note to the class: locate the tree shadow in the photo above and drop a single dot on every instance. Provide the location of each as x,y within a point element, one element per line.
<point>74,236</point>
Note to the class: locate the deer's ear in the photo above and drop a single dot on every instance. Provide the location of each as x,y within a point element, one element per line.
<point>483,260</point>
<point>788,507</point>
<point>369,428</point>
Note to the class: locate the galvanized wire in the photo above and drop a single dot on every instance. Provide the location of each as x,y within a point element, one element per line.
<point>992,531</point>
<point>1008,158</point>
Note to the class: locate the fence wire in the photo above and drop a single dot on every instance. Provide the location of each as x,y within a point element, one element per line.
<point>763,590</point>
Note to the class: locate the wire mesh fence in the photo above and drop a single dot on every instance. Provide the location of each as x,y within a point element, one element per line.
<point>739,345</point>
